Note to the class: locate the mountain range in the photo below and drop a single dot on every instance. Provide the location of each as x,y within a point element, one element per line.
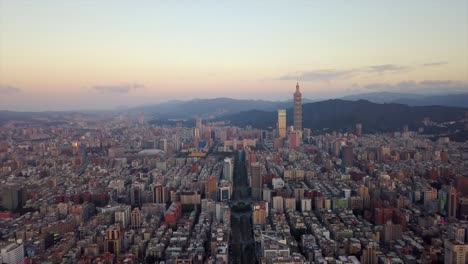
<point>339,114</point>
<point>456,99</point>
<point>216,107</point>
<point>210,108</point>
<point>381,111</point>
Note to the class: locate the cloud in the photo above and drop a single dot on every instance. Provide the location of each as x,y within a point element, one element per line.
<point>8,89</point>
<point>384,68</point>
<point>426,86</point>
<point>319,75</point>
<point>328,75</point>
<point>433,64</point>
<point>121,88</point>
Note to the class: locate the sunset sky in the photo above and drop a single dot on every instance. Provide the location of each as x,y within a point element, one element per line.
<point>70,55</point>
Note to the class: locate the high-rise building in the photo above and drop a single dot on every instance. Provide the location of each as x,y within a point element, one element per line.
<point>298,109</point>
<point>358,129</point>
<point>207,135</point>
<point>260,213</point>
<point>294,140</point>
<point>289,204</point>
<point>135,218</point>
<point>369,253</point>
<point>113,242</point>
<point>392,232</point>
<point>252,158</point>
<point>211,187</point>
<point>457,232</point>
<point>12,253</point>
<point>347,156</point>
<point>224,193</point>
<point>10,197</point>
<point>228,169</point>
<point>282,123</point>
<point>256,181</point>
<point>176,142</point>
<point>306,205</point>
<point>136,195</point>
<point>278,204</point>
<point>122,216</point>
<point>163,144</point>
<point>455,252</point>
<point>452,203</point>
<point>158,193</point>
<point>199,123</point>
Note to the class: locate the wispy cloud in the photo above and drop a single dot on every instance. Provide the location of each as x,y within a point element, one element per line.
<point>433,64</point>
<point>8,89</point>
<point>328,75</point>
<point>120,88</point>
<point>385,68</point>
<point>427,86</point>
<point>319,75</point>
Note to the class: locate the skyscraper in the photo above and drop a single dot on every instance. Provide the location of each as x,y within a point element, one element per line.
<point>158,193</point>
<point>199,123</point>
<point>113,240</point>
<point>228,169</point>
<point>135,218</point>
<point>455,252</point>
<point>211,187</point>
<point>256,181</point>
<point>298,110</point>
<point>347,156</point>
<point>294,140</point>
<point>282,123</point>
<point>452,203</point>
<point>358,129</point>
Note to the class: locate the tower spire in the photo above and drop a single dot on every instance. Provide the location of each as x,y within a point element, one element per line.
<point>298,109</point>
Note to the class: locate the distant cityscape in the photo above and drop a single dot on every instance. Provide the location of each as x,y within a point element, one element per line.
<point>128,188</point>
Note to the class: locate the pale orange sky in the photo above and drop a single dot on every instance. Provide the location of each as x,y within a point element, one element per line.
<point>57,55</point>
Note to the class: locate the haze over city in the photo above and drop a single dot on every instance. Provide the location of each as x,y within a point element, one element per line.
<point>73,55</point>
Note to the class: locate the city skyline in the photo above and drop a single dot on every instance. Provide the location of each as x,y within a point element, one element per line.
<point>77,55</point>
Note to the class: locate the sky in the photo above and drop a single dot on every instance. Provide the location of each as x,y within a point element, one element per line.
<point>72,55</point>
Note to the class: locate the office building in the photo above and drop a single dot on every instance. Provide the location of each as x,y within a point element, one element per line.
<point>306,205</point>
<point>294,139</point>
<point>12,252</point>
<point>455,252</point>
<point>260,213</point>
<point>211,187</point>
<point>228,169</point>
<point>158,193</point>
<point>282,123</point>
<point>256,181</point>
<point>452,203</point>
<point>113,242</point>
<point>278,204</point>
<point>135,219</point>
<point>347,156</point>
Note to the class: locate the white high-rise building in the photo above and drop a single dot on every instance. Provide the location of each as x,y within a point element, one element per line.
<point>228,169</point>
<point>12,253</point>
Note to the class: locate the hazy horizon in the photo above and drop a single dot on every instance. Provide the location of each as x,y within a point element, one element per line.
<point>60,55</point>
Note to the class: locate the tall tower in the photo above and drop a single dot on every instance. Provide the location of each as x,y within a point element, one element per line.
<point>256,181</point>
<point>298,109</point>
<point>282,123</point>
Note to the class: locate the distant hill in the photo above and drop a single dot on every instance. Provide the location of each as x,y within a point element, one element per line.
<point>210,107</point>
<point>342,115</point>
<point>455,100</point>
